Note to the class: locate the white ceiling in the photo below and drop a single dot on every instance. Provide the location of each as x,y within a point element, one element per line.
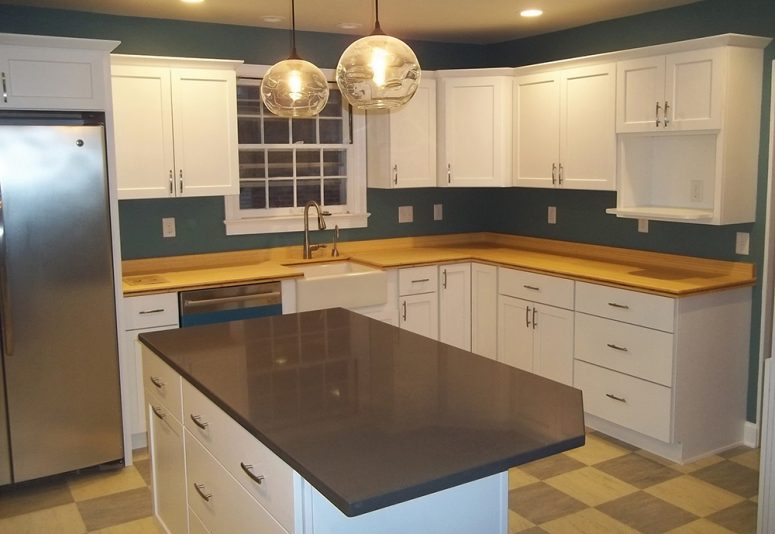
<point>462,21</point>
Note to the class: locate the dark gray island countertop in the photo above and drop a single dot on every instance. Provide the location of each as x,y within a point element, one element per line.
<point>369,414</point>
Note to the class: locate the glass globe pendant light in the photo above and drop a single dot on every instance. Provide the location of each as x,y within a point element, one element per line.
<point>294,87</point>
<point>378,71</point>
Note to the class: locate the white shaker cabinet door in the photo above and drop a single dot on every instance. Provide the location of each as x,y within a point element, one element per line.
<point>420,314</point>
<point>694,89</point>
<point>537,130</point>
<point>455,305</point>
<point>515,332</point>
<point>640,92</point>
<point>553,343</point>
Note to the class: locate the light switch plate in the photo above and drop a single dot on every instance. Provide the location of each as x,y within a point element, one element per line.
<point>643,226</point>
<point>438,213</point>
<point>405,214</point>
<point>551,215</point>
<point>168,227</point>
<point>742,243</point>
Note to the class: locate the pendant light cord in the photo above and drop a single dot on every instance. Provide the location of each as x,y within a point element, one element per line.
<point>377,27</point>
<point>294,55</point>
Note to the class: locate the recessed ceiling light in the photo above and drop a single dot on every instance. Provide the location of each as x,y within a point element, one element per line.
<point>349,25</point>
<point>192,1</point>
<point>531,13</point>
<point>272,19</point>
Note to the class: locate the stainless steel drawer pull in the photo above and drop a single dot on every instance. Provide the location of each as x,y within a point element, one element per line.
<point>148,312</point>
<point>172,184</point>
<point>200,489</point>
<point>421,280</point>
<point>444,285</point>
<point>656,113</point>
<point>404,306</point>
<point>532,288</point>
<point>248,468</point>
<point>158,412</point>
<point>527,316</point>
<point>617,347</point>
<point>395,173</point>
<point>5,89</point>
<point>620,306</point>
<point>535,323</point>
<point>197,419</point>
<point>156,381</point>
<point>614,397</point>
<point>667,110</point>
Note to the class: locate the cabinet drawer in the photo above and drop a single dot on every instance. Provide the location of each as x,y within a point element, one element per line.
<point>218,500</point>
<point>628,306</point>
<point>415,280</point>
<point>636,404</point>
<point>147,311</point>
<point>635,350</point>
<point>536,287</point>
<point>163,381</point>
<point>235,447</point>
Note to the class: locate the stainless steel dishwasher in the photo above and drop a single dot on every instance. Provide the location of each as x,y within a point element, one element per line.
<point>232,303</point>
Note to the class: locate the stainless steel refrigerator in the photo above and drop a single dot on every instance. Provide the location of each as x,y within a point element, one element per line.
<point>60,407</point>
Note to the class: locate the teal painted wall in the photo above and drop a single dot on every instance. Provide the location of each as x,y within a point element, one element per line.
<point>581,215</point>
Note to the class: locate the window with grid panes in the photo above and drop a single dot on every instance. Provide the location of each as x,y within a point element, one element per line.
<point>286,162</point>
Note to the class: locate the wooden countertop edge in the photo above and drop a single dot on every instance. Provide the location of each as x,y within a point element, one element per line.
<point>452,248</point>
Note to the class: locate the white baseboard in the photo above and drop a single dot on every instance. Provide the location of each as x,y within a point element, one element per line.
<point>751,434</point>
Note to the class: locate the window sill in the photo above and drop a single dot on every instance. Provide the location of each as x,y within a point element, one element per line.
<point>294,223</point>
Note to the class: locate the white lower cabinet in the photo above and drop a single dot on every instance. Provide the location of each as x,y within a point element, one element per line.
<point>455,305</point>
<point>195,525</point>
<point>165,443</point>
<point>418,301</point>
<point>535,323</point>
<point>144,313</point>
<point>484,305</point>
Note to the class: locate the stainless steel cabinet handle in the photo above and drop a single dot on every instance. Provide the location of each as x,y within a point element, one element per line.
<point>180,182</point>
<point>148,312</point>
<point>559,174</point>
<point>404,304</point>
<point>197,419</point>
<point>620,306</point>
<point>158,412</point>
<point>238,298</point>
<point>656,113</point>
<point>667,108</point>
<point>554,173</point>
<point>395,173</point>
<point>5,297</point>
<point>200,489</point>
<point>248,468</point>
<point>614,397</point>
<point>172,184</point>
<point>532,288</point>
<point>449,173</point>
<point>527,316</point>
<point>421,280</point>
<point>535,323</point>
<point>156,381</point>
<point>444,283</point>
<point>617,347</point>
<point>5,87</point>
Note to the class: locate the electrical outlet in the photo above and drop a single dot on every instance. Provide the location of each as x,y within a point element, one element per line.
<point>405,214</point>
<point>438,213</point>
<point>551,215</point>
<point>643,226</point>
<point>742,243</point>
<point>168,227</point>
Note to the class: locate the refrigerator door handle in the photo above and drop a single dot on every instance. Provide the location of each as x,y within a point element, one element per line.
<point>5,298</point>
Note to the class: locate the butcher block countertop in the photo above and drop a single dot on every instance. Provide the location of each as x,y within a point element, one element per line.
<point>664,274</point>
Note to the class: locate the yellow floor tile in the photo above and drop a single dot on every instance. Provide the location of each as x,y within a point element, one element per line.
<point>589,521</point>
<point>590,486</point>
<point>693,495</point>
<point>89,486</point>
<point>63,519</point>
<point>517,523</point>
<point>596,450</point>
<point>518,478</point>
<point>749,459</point>
<point>701,526</point>
<point>141,526</point>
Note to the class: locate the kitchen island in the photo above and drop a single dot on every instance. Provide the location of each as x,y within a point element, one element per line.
<point>353,426</point>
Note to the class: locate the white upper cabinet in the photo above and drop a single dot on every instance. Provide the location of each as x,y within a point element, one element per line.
<point>53,73</point>
<point>175,127</point>
<point>681,91</point>
<point>564,129</point>
<point>474,129</point>
<point>401,144</point>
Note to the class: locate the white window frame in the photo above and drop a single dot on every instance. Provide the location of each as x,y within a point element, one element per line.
<point>353,215</point>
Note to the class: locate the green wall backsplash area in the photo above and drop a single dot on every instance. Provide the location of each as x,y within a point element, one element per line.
<point>580,215</point>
